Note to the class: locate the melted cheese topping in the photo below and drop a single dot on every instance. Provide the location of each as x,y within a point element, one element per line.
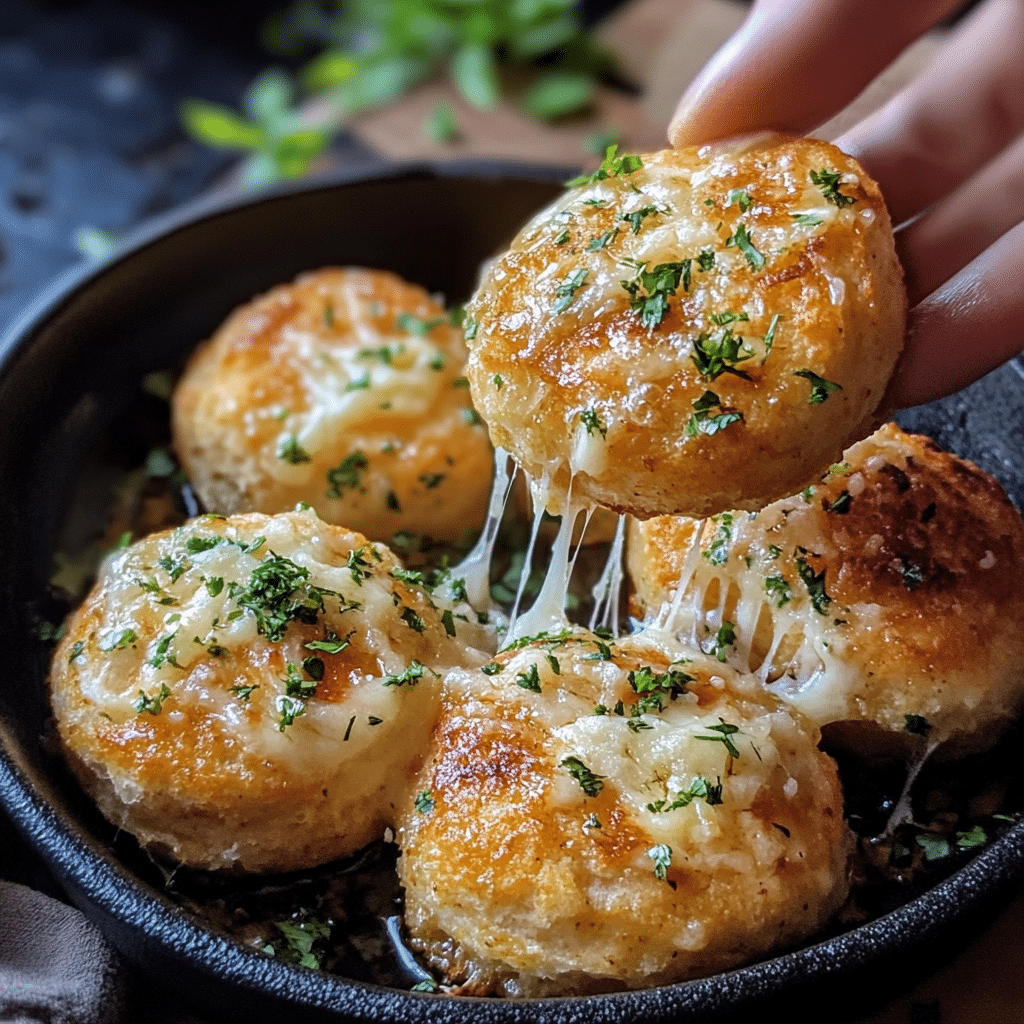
<point>225,685</point>
<point>720,271</point>
<point>550,821</point>
<point>887,590</point>
<point>343,389</point>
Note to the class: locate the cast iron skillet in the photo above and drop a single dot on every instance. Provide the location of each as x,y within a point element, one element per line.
<point>71,364</point>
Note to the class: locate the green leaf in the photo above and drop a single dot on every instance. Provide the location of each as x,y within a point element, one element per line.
<point>441,125</point>
<point>294,154</point>
<point>528,43</point>
<point>218,126</point>
<point>381,82</point>
<point>269,98</point>
<point>559,94</point>
<point>331,68</point>
<point>475,75</point>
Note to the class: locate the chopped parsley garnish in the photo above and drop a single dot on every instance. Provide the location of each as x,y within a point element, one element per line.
<point>346,475</point>
<point>296,686</point>
<point>935,847</point>
<point>391,501</point>
<point>126,638</point>
<point>700,788</point>
<point>740,196</point>
<point>332,645</point>
<point>769,338</point>
<point>412,675</point>
<point>197,545</point>
<point>359,565</point>
<point>820,388</point>
<point>529,680</point>
<point>314,668</point>
<point>917,724</point>
<point>567,289</point>
<point>713,357</point>
<point>214,585</point>
<point>807,219</point>
<point>413,620</point>
<point>728,317</point>
<point>651,687</point>
<point>741,239</point>
<point>635,219</point>
<point>703,422</point>
<point>304,939</point>
<point>778,588</point>
<point>612,166</point>
<point>424,802</point>
<point>277,594</point>
<point>706,259</point>
<point>448,621</point>
<point>470,327</point>
<point>718,549</point>
<point>725,638</point>
<point>291,451</point>
<point>590,782</point>
<point>328,314</point>
<point>386,354</point>
<point>553,662</point>
<point>471,416</point>
<point>842,504</point>
<point>359,384</point>
<point>649,290</point>
<point>290,708</point>
<point>243,693</point>
<point>154,705</point>
<point>432,480</point>
<point>160,655</point>
<point>726,733</point>
<point>592,421</point>
<point>498,381</point>
<point>593,821</point>
<point>426,985</point>
<point>662,857</point>
<point>815,583</point>
<point>409,324</point>
<point>603,240</point>
<point>828,182</point>
<point>492,669</point>
<point>913,575</point>
<point>972,839</point>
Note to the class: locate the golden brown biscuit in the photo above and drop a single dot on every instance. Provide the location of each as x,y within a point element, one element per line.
<point>887,594</point>
<point>703,332</point>
<point>343,389</point>
<point>605,816</point>
<point>252,693</point>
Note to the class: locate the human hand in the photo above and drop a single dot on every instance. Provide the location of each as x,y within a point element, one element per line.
<point>947,151</point>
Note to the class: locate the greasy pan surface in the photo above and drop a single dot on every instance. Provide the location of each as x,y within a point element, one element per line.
<point>70,365</point>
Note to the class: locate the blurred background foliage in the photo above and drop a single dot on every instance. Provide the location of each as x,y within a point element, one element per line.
<point>336,59</point>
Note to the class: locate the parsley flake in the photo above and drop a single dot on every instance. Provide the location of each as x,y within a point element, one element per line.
<point>346,475</point>
<point>566,290</point>
<point>611,166</point>
<point>703,422</point>
<point>741,239</point>
<point>289,450</point>
<point>820,388</point>
<point>590,782</point>
<point>828,182</point>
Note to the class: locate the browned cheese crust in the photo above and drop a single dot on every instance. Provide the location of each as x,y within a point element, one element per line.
<point>342,389</point>
<point>694,395</point>
<point>914,557</point>
<point>528,874</point>
<point>222,745</point>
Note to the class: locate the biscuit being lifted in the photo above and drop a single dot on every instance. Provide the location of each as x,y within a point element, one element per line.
<point>343,389</point>
<point>692,331</point>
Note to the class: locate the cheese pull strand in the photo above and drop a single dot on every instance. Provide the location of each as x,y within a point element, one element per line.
<point>475,568</point>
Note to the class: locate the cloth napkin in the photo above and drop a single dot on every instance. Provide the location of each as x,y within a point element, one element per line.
<point>55,967</point>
